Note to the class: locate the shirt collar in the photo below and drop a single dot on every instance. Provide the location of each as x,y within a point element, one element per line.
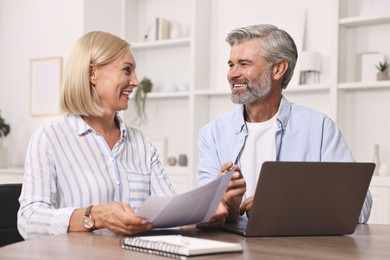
<point>122,127</point>
<point>282,117</point>
<point>284,112</point>
<point>238,116</point>
<point>82,128</point>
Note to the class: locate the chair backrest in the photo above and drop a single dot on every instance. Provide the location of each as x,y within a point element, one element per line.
<point>9,201</point>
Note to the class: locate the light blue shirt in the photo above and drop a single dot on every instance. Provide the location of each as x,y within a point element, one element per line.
<point>302,135</point>
<point>69,165</point>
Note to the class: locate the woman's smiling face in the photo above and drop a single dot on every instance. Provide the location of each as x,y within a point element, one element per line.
<point>114,82</point>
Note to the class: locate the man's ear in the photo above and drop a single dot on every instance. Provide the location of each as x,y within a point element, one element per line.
<point>92,73</point>
<point>279,69</point>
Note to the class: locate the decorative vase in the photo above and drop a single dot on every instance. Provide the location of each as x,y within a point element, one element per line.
<point>183,160</point>
<point>383,75</point>
<point>3,157</point>
<point>172,161</point>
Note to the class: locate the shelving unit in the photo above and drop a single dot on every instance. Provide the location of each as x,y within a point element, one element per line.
<point>177,116</point>
<point>172,115</point>
<point>362,104</point>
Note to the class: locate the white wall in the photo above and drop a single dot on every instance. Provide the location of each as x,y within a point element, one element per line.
<point>30,29</point>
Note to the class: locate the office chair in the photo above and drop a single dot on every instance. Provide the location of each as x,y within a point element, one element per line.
<point>9,203</point>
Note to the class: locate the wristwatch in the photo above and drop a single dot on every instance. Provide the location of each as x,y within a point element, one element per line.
<point>88,220</point>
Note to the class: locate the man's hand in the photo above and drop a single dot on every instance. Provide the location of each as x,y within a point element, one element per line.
<point>217,220</point>
<point>229,208</point>
<point>235,191</point>
<point>246,206</point>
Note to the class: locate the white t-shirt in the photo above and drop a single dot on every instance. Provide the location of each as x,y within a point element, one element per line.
<point>259,147</point>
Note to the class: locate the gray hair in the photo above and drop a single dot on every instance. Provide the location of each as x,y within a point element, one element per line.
<point>277,45</point>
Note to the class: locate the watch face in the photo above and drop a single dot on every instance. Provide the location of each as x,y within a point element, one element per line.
<point>88,223</point>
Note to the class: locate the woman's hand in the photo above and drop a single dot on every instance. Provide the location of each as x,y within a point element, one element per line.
<point>119,218</point>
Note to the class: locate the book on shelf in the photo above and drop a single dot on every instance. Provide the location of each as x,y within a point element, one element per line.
<point>177,246</point>
<point>162,29</point>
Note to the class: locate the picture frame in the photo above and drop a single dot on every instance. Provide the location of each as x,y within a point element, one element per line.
<point>45,82</point>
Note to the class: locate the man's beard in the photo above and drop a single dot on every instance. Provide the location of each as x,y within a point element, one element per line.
<point>256,89</point>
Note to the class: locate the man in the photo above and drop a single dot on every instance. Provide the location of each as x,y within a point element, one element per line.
<point>266,127</point>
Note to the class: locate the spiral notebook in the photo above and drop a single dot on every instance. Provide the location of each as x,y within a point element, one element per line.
<point>176,246</point>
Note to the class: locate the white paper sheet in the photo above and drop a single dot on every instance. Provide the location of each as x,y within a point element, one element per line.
<point>192,207</point>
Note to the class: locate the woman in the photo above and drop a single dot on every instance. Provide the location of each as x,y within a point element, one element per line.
<point>89,170</point>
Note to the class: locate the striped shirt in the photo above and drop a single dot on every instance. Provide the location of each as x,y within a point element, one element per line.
<point>69,165</point>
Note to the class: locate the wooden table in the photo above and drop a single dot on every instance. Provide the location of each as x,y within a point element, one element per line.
<point>368,242</point>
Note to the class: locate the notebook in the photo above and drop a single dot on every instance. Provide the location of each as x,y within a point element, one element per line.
<point>178,245</point>
<point>306,198</point>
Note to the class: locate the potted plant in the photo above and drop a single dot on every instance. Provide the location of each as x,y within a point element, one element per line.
<point>4,131</point>
<point>383,73</point>
<point>140,99</point>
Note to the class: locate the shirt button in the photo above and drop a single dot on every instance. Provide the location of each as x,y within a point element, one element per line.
<point>119,183</point>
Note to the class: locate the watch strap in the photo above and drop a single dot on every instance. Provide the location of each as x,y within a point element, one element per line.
<point>89,216</point>
<point>88,211</point>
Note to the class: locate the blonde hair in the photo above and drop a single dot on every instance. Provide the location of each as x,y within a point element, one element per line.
<point>77,95</point>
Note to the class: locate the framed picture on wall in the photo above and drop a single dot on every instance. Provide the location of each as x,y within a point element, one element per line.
<point>45,82</point>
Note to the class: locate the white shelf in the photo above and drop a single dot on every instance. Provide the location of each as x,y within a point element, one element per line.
<point>365,85</point>
<point>307,88</point>
<point>213,92</point>
<point>157,95</point>
<point>170,43</point>
<point>12,170</point>
<point>166,95</point>
<point>290,89</point>
<point>11,175</point>
<point>364,20</point>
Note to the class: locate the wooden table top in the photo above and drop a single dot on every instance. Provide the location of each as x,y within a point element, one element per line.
<point>368,242</point>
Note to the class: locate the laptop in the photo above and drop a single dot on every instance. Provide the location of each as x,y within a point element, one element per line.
<point>306,199</point>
